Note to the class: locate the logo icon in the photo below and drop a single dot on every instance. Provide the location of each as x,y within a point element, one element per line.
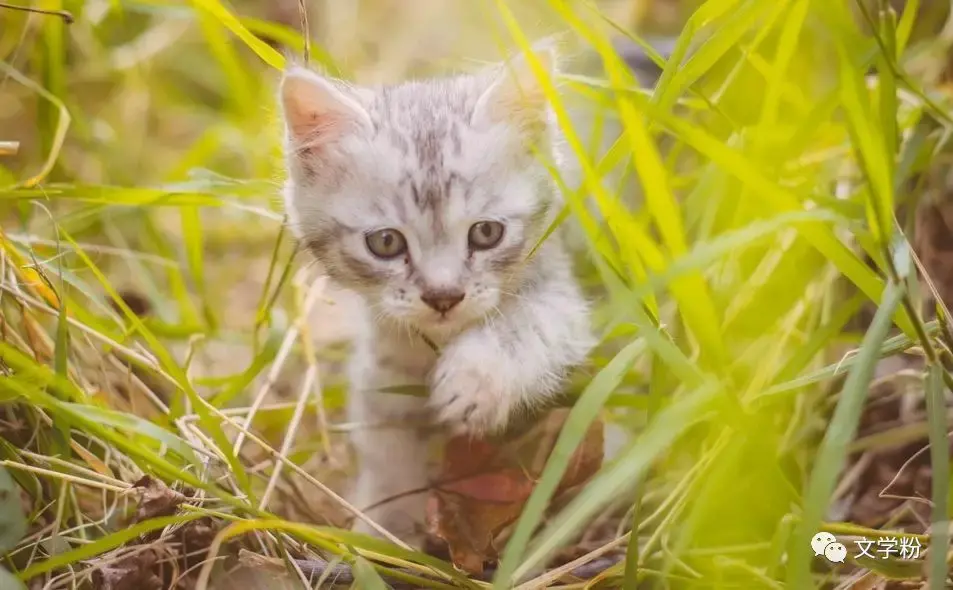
<point>835,552</point>
<point>820,541</point>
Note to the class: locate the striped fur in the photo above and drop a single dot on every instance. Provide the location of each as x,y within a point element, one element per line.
<point>431,158</point>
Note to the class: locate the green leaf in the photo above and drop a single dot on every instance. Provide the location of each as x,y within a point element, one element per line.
<point>13,524</point>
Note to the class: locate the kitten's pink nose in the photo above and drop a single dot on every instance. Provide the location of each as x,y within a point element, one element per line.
<point>443,300</point>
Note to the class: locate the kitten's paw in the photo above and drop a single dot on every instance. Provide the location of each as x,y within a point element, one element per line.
<point>468,396</point>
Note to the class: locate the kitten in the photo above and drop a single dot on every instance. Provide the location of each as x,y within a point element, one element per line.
<point>426,199</point>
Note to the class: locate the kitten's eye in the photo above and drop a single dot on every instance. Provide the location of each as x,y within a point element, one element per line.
<point>386,243</point>
<point>485,234</point>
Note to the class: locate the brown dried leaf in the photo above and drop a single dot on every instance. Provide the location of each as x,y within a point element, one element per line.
<point>134,572</point>
<point>485,485</point>
<point>156,499</point>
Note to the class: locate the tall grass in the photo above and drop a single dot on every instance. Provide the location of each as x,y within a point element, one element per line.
<point>745,215</point>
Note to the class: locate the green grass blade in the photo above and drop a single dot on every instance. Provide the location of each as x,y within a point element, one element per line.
<point>583,413</point>
<point>211,425</point>
<point>940,463</point>
<point>619,477</point>
<point>104,544</point>
<point>905,26</point>
<point>736,25</point>
<point>195,255</point>
<point>365,576</point>
<point>219,13</point>
<point>779,199</point>
<point>691,292</point>
<point>833,449</point>
<point>134,425</point>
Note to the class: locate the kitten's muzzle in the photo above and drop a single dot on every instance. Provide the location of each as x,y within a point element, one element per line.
<point>442,300</point>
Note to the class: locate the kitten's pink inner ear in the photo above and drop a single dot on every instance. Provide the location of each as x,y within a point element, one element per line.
<point>317,111</point>
<point>517,96</point>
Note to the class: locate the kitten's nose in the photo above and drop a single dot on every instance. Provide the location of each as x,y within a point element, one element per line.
<point>443,300</point>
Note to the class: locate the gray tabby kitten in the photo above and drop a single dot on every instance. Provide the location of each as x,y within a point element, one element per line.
<point>426,199</point>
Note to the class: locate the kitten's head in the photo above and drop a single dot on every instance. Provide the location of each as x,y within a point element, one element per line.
<point>425,197</point>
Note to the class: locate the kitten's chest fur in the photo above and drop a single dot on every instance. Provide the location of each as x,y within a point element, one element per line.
<point>387,356</point>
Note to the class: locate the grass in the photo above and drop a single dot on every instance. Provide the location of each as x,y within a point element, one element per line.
<point>758,201</point>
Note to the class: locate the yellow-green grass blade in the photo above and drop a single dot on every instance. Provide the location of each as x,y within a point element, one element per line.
<point>590,177</point>
<point>219,13</point>
<point>193,237</point>
<point>170,365</point>
<point>618,477</point>
<point>778,198</point>
<point>732,28</point>
<point>940,477</point>
<point>104,544</point>
<point>832,453</point>
<point>777,83</point>
<point>665,90</point>
<point>691,292</point>
<point>62,122</point>
<point>583,413</point>
<point>365,576</point>
<point>905,26</point>
<point>239,99</point>
<point>870,143</point>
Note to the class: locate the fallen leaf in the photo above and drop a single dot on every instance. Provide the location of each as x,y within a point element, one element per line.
<point>156,499</point>
<point>484,485</point>
<point>133,572</point>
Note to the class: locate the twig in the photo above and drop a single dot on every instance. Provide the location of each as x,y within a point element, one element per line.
<point>305,30</point>
<point>276,366</point>
<point>63,476</point>
<point>311,357</point>
<point>63,14</point>
<point>243,429</point>
<point>309,380</point>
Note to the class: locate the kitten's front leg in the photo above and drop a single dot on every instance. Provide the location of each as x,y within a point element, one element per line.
<point>391,443</point>
<point>515,360</point>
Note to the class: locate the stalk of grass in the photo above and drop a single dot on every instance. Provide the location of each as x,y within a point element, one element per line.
<point>583,413</point>
<point>833,450</point>
<point>104,544</point>
<point>940,477</point>
<point>62,123</point>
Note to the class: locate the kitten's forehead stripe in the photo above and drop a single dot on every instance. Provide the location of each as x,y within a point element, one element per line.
<point>424,168</point>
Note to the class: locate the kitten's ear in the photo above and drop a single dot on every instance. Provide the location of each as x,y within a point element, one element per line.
<point>317,110</point>
<point>517,95</point>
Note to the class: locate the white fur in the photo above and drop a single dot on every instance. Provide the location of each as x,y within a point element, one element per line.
<point>522,324</point>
